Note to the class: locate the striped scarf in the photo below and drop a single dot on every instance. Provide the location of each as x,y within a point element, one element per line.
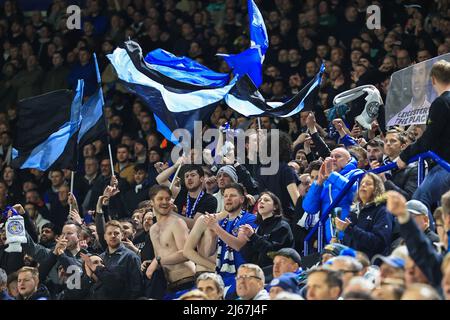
<point>228,264</point>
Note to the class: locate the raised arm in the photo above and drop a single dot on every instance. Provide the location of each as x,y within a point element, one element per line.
<point>192,242</point>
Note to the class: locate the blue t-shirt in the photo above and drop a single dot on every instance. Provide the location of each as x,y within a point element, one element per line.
<point>247,218</point>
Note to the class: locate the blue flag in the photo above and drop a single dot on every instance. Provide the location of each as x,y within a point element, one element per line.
<point>250,61</point>
<point>185,69</point>
<point>92,121</point>
<point>48,129</point>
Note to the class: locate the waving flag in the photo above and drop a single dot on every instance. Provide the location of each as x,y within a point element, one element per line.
<point>250,61</point>
<point>47,130</point>
<point>185,69</point>
<point>245,98</point>
<point>92,121</point>
<point>177,104</point>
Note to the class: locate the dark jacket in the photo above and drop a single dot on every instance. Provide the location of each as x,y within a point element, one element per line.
<point>40,294</point>
<point>109,285</point>
<point>422,251</point>
<point>131,198</point>
<point>272,234</point>
<point>370,230</point>
<point>128,265</point>
<point>4,296</point>
<point>403,181</point>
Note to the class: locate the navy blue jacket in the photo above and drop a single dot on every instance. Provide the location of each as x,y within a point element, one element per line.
<point>127,265</point>
<point>370,230</point>
<point>422,251</point>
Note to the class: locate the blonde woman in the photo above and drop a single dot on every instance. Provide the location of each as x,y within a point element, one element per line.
<point>368,228</point>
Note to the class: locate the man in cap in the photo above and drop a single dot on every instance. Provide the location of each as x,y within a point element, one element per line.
<point>287,282</point>
<point>392,267</point>
<point>332,250</point>
<point>419,212</point>
<point>286,260</point>
<point>225,175</point>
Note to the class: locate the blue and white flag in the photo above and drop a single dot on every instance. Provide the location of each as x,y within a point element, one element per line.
<point>178,104</point>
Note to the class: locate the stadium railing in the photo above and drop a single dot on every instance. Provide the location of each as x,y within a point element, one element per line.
<point>319,226</point>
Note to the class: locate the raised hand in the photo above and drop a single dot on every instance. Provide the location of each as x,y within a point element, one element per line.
<point>341,225</point>
<point>75,216</point>
<point>210,221</point>
<point>396,203</point>
<point>356,131</point>
<point>61,246</point>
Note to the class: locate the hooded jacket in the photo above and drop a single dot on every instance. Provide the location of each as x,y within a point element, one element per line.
<point>272,234</point>
<point>319,198</point>
<point>371,228</point>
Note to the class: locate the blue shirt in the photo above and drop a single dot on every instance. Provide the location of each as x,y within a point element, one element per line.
<point>247,218</point>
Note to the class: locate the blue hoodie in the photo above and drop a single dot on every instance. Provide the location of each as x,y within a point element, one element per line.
<point>319,198</point>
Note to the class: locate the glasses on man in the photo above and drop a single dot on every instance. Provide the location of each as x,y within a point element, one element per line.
<point>246,277</point>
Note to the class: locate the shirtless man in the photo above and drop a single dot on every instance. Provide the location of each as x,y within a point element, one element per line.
<point>168,237</point>
<point>201,245</point>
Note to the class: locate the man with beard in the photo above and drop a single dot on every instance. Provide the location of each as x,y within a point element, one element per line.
<point>192,200</point>
<point>118,257</point>
<point>230,239</point>
<point>168,237</point>
<point>65,253</point>
<point>48,235</point>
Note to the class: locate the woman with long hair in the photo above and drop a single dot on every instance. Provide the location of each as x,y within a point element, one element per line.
<point>272,234</point>
<point>369,225</point>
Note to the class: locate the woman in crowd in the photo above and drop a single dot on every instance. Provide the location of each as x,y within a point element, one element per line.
<point>369,226</point>
<point>272,234</point>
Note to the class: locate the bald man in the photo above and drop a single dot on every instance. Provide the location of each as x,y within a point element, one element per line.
<point>334,173</point>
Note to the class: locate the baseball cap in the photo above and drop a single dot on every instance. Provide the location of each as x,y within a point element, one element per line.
<point>287,281</point>
<point>391,260</point>
<point>416,207</point>
<point>288,253</point>
<point>334,249</point>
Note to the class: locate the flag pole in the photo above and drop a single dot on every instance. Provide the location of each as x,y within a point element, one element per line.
<point>72,177</point>
<point>111,159</point>
<point>176,173</point>
<point>175,176</point>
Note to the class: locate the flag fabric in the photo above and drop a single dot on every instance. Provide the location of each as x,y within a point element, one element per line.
<point>47,130</point>
<point>93,124</point>
<point>245,98</point>
<point>177,104</point>
<point>410,94</point>
<point>185,69</point>
<point>247,62</point>
<point>250,61</point>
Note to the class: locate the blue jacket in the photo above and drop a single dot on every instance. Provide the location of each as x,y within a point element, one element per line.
<point>370,230</point>
<point>319,198</point>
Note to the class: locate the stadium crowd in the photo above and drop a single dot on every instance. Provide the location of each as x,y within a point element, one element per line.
<point>147,230</point>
